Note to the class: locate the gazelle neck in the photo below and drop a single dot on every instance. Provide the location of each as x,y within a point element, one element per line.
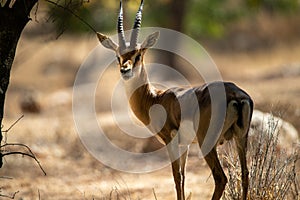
<point>141,94</point>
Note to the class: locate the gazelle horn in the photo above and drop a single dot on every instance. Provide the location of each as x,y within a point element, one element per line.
<point>136,26</point>
<point>121,36</point>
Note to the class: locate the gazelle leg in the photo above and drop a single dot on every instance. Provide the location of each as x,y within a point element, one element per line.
<point>218,173</point>
<point>241,144</point>
<point>177,179</point>
<point>173,150</point>
<point>241,139</point>
<point>183,160</point>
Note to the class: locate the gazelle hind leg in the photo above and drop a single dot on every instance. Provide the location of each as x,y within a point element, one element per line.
<point>241,139</point>
<point>241,144</point>
<point>212,158</point>
<point>218,173</point>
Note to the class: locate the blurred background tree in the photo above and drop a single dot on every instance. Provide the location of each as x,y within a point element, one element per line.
<point>205,18</point>
<point>223,25</point>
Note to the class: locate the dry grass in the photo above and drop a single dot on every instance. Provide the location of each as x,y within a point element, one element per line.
<point>272,170</point>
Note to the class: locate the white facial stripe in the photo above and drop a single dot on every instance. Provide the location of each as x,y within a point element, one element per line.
<point>127,65</point>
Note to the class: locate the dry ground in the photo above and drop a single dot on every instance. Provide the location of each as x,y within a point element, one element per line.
<point>46,69</point>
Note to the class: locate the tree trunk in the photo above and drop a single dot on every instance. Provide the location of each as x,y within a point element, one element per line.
<point>177,11</point>
<point>12,22</point>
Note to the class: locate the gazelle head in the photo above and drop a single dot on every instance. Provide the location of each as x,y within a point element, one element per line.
<point>130,55</point>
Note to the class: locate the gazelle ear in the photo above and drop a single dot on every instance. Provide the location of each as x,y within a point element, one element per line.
<point>150,40</point>
<point>107,42</point>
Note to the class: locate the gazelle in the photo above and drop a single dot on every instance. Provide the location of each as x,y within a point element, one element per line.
<point>142,96</point>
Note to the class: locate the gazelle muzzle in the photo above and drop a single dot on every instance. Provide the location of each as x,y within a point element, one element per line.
<point>126,67</point>
<point>126,70</point>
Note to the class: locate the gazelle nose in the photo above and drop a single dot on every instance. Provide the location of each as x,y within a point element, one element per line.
<point>124,70</point>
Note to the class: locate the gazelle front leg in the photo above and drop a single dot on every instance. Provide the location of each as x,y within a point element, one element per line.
<point>183,160</point>
<point>178,166</point>
<point>177,179</point>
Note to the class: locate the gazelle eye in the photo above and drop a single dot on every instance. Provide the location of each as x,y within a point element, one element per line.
<point>137,58</point>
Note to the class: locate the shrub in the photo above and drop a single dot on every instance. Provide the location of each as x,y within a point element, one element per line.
<point>272,170</point>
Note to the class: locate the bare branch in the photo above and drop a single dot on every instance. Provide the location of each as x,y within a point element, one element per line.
<point>30,154</point>
<point>26,154</point>
<point>4,152</point>
<point>11,126</point>
<point>10,197</point>
<point>66,7</point>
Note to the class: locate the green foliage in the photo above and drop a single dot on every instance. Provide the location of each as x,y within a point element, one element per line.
<point>156,13</point>
<point>274,5</point>
<point>210,17</point>
<point>205,18</point>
